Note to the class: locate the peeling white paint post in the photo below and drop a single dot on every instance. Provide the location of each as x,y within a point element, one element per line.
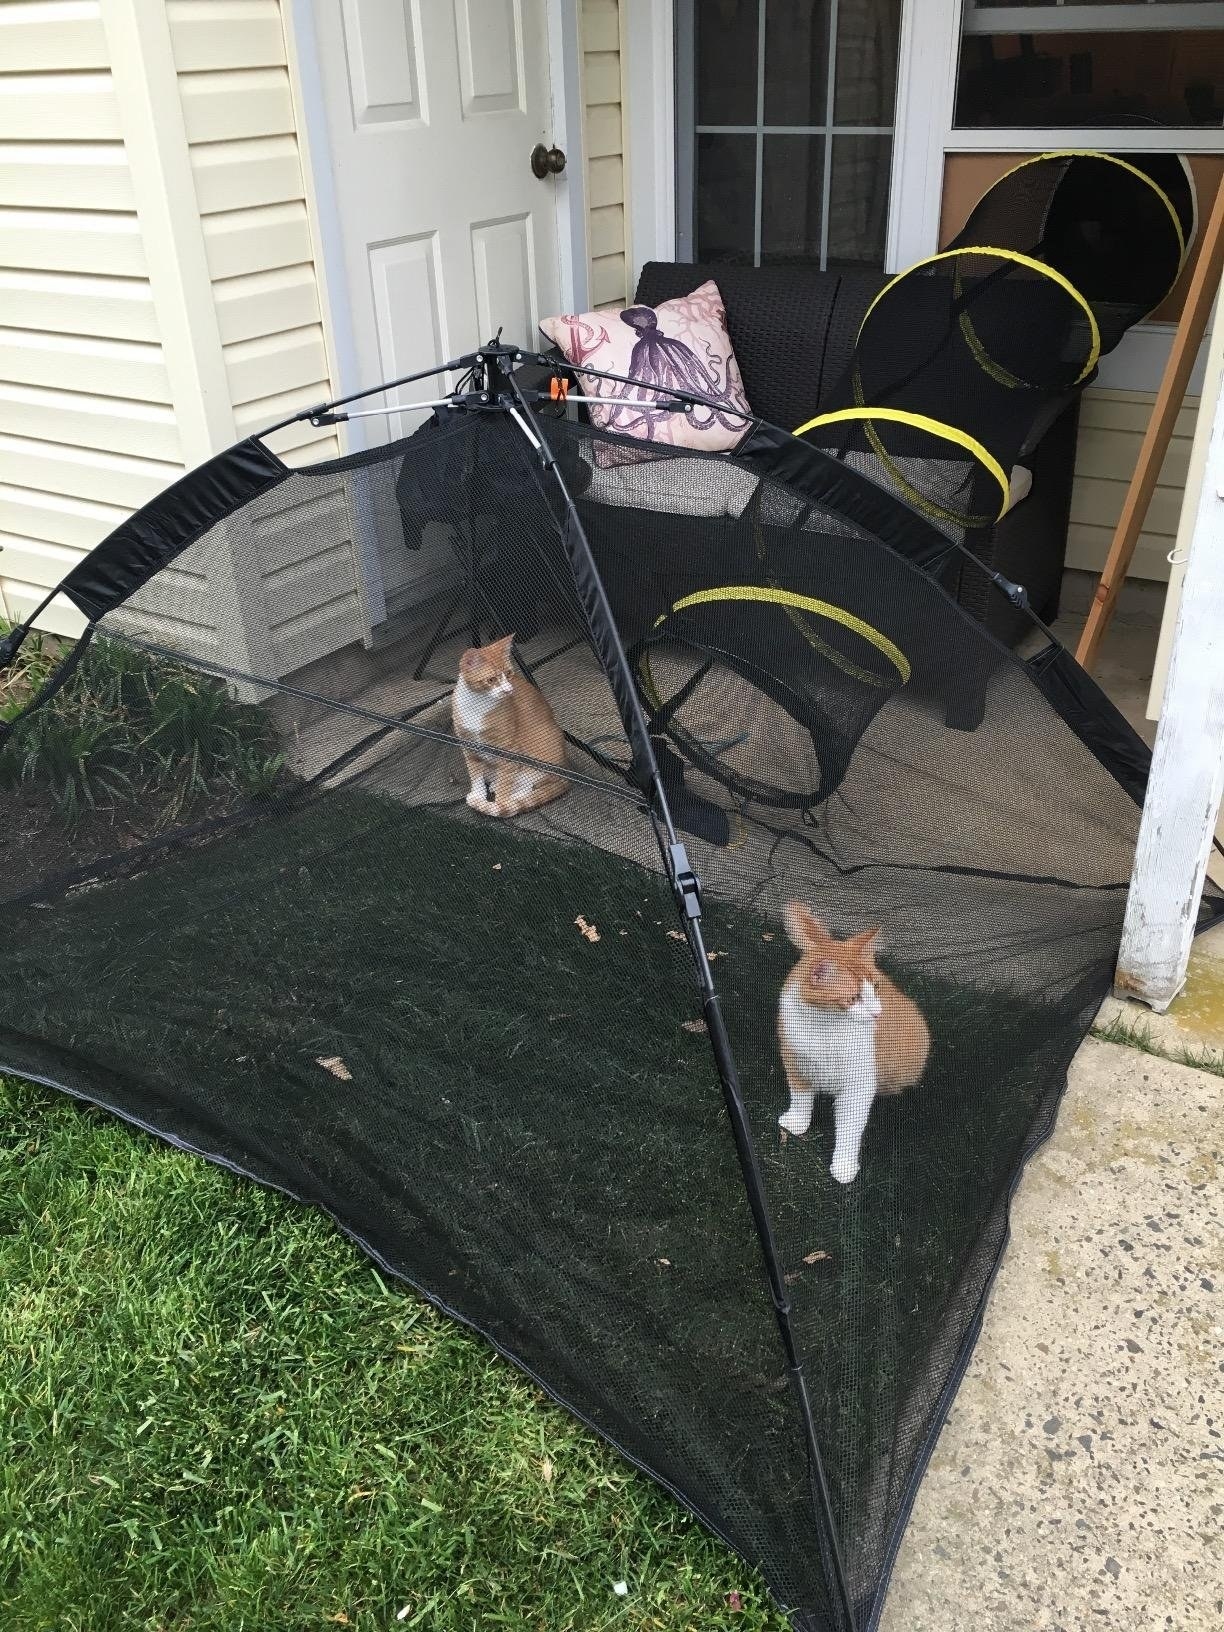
<point>1187,779</point>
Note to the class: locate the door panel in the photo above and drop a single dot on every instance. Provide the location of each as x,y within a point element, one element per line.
<point>490,56</point>
<point>409,313</point>
<point>505,283</point>
<point>380,45</point>
<point>432,111</point>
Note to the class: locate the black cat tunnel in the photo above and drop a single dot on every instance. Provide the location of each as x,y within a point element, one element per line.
<point>559,1114</point>
<point>964,359</point>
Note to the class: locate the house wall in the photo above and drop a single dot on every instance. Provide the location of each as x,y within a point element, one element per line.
<point>87,425</point>
<point>159,296</point>
<point>603,119</point>
<point>1111,429</point>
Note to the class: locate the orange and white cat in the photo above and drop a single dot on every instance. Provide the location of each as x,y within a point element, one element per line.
<point>493,707</point>
<point>843,1029</point>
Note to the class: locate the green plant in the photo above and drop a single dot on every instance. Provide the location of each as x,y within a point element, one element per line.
<point>34,662</point>
<point>80,761</point>
<point>132,731</point>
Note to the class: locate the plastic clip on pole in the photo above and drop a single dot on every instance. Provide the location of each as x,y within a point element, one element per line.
<point>684,881</point>
<point>1016,593</point>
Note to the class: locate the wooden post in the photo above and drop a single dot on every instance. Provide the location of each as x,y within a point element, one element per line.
<point>1186,341</point>
<point>1187,777</point>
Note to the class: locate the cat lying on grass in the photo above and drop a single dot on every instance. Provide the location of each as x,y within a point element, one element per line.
<point>494,707</point>
<point>843,1029</point>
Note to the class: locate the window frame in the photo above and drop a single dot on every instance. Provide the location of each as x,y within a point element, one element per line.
<point>687,131</point>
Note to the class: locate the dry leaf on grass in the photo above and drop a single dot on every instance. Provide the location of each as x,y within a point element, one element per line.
<point>675,934</point>
<point>546,1471</point>
<point>693,1025</point>
<point>497,866</point>
<point>809,1258</point>
<point>336,1066</point>
<point>587,931</point>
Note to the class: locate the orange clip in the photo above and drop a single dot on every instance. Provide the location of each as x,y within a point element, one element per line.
<point>558,389</point>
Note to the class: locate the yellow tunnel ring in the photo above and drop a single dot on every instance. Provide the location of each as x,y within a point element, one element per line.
<point>799,603</point>
<point>933,427</point>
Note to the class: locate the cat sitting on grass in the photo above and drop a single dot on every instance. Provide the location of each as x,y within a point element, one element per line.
<point>494,707</point>
<point>843,1029</point>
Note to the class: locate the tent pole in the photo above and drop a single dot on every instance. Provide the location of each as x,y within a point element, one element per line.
<point>687,892</point>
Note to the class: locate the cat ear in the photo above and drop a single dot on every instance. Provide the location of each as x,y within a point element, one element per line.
<point>803,926</point>
<point>865,941</point>
<point>503,645</point>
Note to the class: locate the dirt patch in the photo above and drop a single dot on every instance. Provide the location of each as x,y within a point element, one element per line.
<point>36,844</point>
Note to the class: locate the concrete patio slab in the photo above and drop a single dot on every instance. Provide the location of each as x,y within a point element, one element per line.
<point>1079,1482</point>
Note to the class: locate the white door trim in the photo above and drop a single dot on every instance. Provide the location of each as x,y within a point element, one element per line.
<point>927,55</point>
<point>565,73</point>
<point>648,66</point>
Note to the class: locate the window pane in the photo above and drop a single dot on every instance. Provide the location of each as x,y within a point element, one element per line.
<point>867,36</point>
<point>791,187</point>
<point>796,61</point>
<point>726,198</point>
<point>726,67</point>
<point>858,200</point>
<point>1164,77</point>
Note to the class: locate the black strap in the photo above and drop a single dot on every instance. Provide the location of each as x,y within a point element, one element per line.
<point>55,683</point>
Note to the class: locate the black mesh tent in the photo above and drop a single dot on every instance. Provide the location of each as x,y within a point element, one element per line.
<point>531,1062</point>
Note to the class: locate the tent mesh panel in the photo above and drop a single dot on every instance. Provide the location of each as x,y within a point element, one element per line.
<point>531,1128</point>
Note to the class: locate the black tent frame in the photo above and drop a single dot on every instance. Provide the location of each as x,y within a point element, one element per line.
<point>492,383</point>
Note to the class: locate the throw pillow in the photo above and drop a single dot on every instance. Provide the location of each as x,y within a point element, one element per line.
<point>682,343</point>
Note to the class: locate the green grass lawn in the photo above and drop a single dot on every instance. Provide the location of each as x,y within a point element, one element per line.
<point>218,1415</point>
<point>214,1413</point>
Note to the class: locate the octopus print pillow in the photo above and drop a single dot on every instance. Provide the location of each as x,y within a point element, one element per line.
<point>682,343</point>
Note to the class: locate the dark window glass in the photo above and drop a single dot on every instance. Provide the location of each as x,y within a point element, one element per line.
<point>1116,76</point>
<point>867,35</point>
<point>796,61</point>
<point>726,67</point>
<point>792,184</point>
<point>768,168</point>
<point>726,198</point>
<point>858,200</point>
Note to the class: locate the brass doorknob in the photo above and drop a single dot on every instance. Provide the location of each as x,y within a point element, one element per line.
<point>546,161</point>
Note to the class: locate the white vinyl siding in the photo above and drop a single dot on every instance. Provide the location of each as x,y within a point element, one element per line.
<point>1112,424</point>
<point>603,117</point>
<point>241,130</point>
<point>142,328</point>
<point>87,426</point>
<point>247,170</point>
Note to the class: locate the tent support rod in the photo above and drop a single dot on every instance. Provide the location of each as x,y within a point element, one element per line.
<point>686,889</point>
<point>494,355</point>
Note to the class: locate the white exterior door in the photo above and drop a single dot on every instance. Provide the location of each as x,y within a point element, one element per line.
<point>433,108</point>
